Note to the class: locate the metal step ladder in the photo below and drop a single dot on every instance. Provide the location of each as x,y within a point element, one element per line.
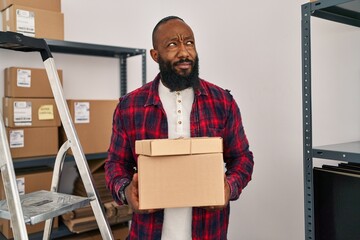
<point>41,206</point>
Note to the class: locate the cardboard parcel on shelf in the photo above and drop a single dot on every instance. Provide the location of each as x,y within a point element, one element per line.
<point>186,172</point>
<point>93,123</point>
<point>33,141</point>
<point>33,22</point>
<point>50,5</point>
<point>27,82</point>
<point>30,112</point>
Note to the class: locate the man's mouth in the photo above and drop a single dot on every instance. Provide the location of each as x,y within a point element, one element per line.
<point>184,64</point>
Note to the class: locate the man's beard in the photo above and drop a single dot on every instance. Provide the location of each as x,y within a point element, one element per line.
<point>176,82</point>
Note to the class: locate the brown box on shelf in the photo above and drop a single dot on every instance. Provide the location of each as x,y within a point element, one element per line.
<point>50,5</point>
<point>30,112</point>
<point>93,123</point>
<point>30,181</point>
<point>33,22</point>
<point>33,142</point>
<point>182,180</point>
<point>28,82</point>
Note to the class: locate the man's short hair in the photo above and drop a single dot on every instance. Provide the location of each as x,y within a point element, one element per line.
<point>162,21</point>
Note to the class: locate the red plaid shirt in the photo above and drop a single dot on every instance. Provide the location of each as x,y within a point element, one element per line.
<point>140,115</point>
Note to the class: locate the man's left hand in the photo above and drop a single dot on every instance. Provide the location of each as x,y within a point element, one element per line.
<point>227,197</point>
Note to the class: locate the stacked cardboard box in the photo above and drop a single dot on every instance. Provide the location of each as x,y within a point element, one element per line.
<point>184,172</point>
<point>28,82</point>
<point>93,123</point>
<point>30,113</point>
<point>30,181</point>
<point>83,219</point>
<point>35,18</point>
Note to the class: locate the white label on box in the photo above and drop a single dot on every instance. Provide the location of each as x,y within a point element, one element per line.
<point>25,21</point>
<point>22,113</point>
<point>23,78</point>
<point>82,112</point>
<point>16,138</point>
<point>20,182</point>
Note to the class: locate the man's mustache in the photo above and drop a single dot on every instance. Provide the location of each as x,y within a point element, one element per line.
<point>184,61</point>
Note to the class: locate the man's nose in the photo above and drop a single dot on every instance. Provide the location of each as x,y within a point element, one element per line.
<point>183,51</point>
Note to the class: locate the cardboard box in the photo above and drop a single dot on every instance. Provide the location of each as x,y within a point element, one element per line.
<point>30,112</point>
<point>182,180</point>
<point>50,5</point>
<point>180,146</point>
<point>33,22</point>
<point>28,82</point>
<point>33,142</point>
<point>93,123</point>
<point>30,181</point>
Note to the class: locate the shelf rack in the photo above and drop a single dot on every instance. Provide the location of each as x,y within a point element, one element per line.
<point>344,12</point>
<point>68,47</point>
<point>49,160</point>
<point>121,53</point>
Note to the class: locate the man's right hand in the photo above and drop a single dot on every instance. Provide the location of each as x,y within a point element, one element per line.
<point>132,196</point>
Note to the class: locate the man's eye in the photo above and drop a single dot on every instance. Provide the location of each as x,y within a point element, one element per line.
<point>172,44</point>
<point>189,43</point>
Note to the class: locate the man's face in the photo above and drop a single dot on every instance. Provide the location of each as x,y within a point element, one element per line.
<point>174,50</point>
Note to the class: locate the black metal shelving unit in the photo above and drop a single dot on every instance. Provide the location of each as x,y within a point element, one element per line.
<point>68,47</point>
<point>340,11</point>
<point>49,160</point>
<point>122,53</point>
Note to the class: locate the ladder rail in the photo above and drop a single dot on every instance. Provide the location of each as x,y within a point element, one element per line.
<point>58,166</point>
<point>77,151</point>
<point>10,186</point>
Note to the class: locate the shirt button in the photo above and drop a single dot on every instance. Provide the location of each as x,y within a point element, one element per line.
<point>179,101</point>
<point>179,111</point>
<point>178,93</point>
<point>179,122</point>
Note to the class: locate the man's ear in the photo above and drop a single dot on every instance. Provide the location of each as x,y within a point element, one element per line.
<point>155,55</point>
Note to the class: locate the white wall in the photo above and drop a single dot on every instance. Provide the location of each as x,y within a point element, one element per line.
<point>252,48</point>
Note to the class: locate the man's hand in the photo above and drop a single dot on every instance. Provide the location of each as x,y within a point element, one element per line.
<point>132,196</point>
<point>227,197</point>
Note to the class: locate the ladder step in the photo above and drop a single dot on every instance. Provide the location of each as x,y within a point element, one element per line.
<point>42,205</point>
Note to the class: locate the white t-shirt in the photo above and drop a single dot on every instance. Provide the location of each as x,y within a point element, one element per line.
<point>177,106</point>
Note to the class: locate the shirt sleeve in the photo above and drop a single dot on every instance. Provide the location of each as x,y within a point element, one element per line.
<point>237,156</point>
<point>120,164</point>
